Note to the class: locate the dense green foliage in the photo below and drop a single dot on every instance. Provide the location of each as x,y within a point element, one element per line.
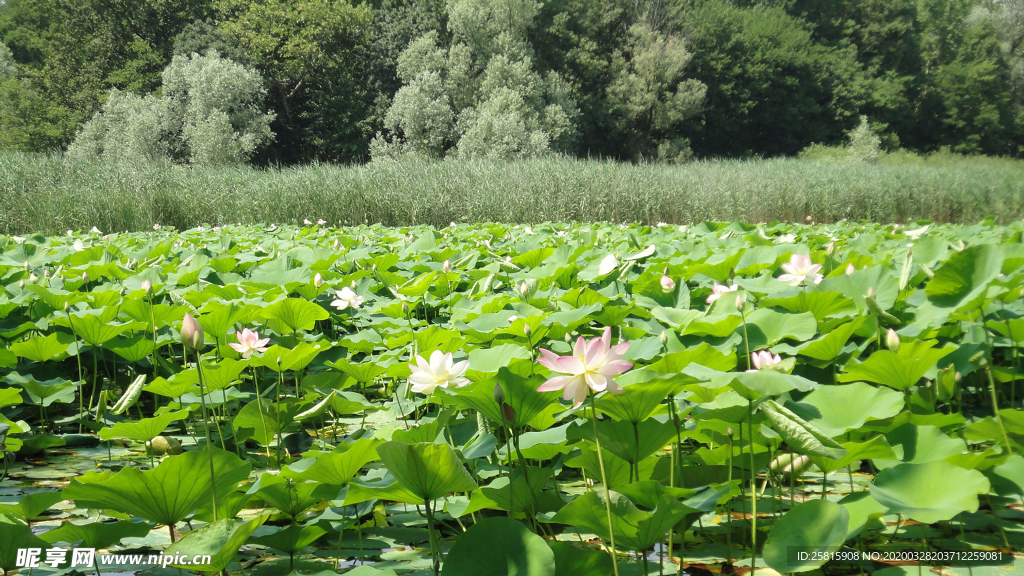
<point>630,80</point>
<point>45,194</point>
<point>394,396</point>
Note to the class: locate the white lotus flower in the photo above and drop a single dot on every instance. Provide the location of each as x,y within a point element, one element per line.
<point>800,268</point>
<point>439,371</point>
<point>347,298</point>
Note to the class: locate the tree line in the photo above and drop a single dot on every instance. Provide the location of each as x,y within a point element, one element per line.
<point>298,81</point>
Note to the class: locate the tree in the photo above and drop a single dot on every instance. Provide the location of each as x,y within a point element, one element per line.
<point>480,95</point>
<point>771,89</point>
<point>649,97</point>
<point>210,113</point>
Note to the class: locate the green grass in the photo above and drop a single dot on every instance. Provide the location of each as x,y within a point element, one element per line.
<point>49,195</point>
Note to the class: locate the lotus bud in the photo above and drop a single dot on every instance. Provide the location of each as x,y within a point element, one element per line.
<point>663,337</point>
<point>46,273</point>
<point>21,283</point>
<point>85,277</point>
<point>67,307</point>
<point>524,289</point>
<point>729,431</point>
<point>32,278</point>
<point>892,340</point>
<point>850,269</point>
<point>508,413</point>
<point>148,287</point>
<point>732,275</point>
<point>740,304</point>
<point>527,330</point>
<point>830,249</point>
<point>447,266</point>
<point>318,280</point>
<point>337,244</point>
<point>405,308</point>
<point>499,394</point>
<point>871,292</point>
<point>667,284</point>
<point>191,333</point>
<point>568,338</point>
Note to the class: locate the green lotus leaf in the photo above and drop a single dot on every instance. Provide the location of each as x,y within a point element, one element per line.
<point>31,506</point>
<point>799,435</point>
<point>291,539</point>
<point>767,327</point>
<point>630,442</point>
<point>43,348</point>
<point>499,547</point>
<point>929,492</point>
<point>571,560</point>
<point>295,313</point>
<point>97,534</point>
<point>520,393</point>
<point>963,278</point>
<point>836,410</point>
<point>831,345</point>
<point>132,349</point>
<point>341,465</point>
<point>166,494</point>
<point>817,527</point>
<point>633,528</point>
<point>292,498</point>
<point>899,370</point>
<point>865,513</point>
<point>921,443</point>
<point>638,401</point>
<point>143,430</point>
<point>428,471</point>
<point>264,417</point>
<point>14,536</point>
<point>220,540</point>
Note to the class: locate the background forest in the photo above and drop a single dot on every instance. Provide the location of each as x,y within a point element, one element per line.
<point>283,82</point>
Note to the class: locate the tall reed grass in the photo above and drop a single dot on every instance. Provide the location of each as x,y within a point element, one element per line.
<point>48,194</point>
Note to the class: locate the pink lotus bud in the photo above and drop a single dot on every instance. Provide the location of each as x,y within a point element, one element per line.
<point>667,284</point>
<point>830,249</point>
<point>147,286</point>
<point>871,292</point>
<point>892,340</point>
<point>850,269</point>
<point>740,304</point>
<point>191,333</point>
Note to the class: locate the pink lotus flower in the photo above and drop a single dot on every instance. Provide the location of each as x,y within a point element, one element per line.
<point>590,367</point>
<point>800,268</point>
<point>249,342</point>
<point>440,371</point>
<point>719,290</point>
<point>762,359</point>
<point>667,284</point>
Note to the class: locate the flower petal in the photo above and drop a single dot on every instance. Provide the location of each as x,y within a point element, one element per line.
<point>556,383</point>
<point>615,367</point>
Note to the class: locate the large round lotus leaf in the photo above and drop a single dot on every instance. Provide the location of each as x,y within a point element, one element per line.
<point>499,547</point>
<point>921,444</point>
<point>929,492</point>
<point>836,409</point>
<point>815,527</point>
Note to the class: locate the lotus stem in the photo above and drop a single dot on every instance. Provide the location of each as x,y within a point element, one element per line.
<point>604,483</point>
<point>81,381</point>
<point>753,491</point>
<point>206,428</point>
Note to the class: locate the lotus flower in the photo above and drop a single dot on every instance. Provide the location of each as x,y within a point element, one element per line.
<point>762,359</point>
<point>347,298</point>
<point>667,284</point>
<point>786,239</point>
<point>440,371</point>
<point>590,367</point>
<point>191,333</point>
<point>719,290</point>
<point>800,268</point>
<point>249,342</point>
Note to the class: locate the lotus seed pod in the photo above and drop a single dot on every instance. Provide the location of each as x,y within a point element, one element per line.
<point>447,266</point>
<point>667,284</point>
<point>191,333</point>
<point>165,445</point>
<point>892,340</point>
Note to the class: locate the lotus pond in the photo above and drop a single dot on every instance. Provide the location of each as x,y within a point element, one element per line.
<point>570,400</point>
